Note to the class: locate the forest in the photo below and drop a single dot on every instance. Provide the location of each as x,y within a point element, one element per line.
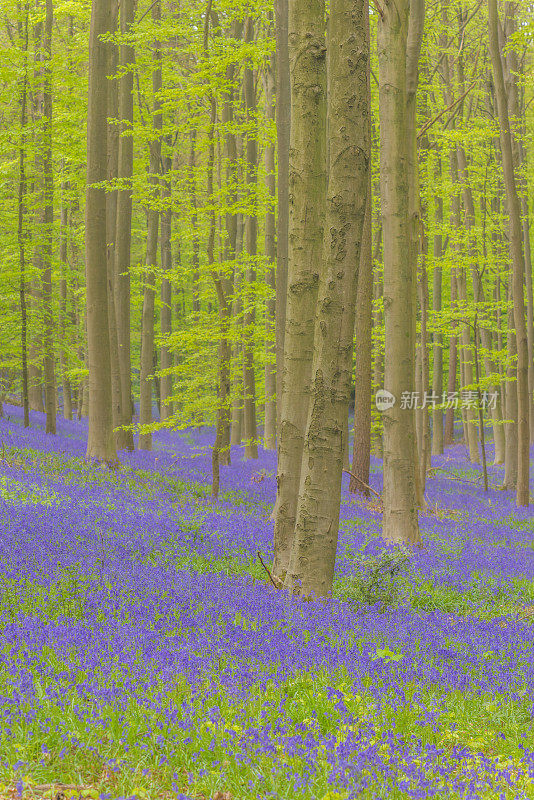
<point>266,399</point>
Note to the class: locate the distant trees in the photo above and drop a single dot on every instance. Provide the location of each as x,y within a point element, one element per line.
<point>224,186</point>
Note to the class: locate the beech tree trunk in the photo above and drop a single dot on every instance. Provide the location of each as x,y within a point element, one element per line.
<point>251,232</point>
<point>47,226</point>
<point>437,280</point>
<point>283,127</point>
<point>517,257</point>
<point>166,358</point>
<point>269,432</point>
<point>307,179</point>
<point>313,555</point>
<point>100,442</point>
<point>123,235</point>
<point>147,319</point>
<point>400,518</point>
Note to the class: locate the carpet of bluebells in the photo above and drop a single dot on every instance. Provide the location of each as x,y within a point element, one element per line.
<point>144,653</point>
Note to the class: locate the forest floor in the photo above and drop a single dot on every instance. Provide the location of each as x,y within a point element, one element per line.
<point>144,654</point>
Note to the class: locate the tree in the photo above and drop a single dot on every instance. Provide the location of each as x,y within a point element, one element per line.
<point>313,554</point>
<point>100,442</point>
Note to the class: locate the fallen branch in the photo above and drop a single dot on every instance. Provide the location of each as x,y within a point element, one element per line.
<point>268,571</point>
<point>363,483</point>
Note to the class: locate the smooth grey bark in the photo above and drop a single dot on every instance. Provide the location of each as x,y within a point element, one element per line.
<point>269,432</point>
<point>166,356</point>
<point>397,87</point>
<point>517,258</point>
<point>283,128</point>
<point>307,176</point>
<point>123,235</point>
<point>147,319</point>
<point>251,236</point>
<point>100,441</point>
<point>313,554</point>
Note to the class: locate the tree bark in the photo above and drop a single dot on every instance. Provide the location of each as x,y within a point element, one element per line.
<point>166,358</point>
<point>47,226</point>
<point>123,235</point>
<point>307,176</point>
<point>269,432</point>
<point>100,442</point>
<point>147,319</point>
<point>283,127</point>
<point>517,257</point>
<point>251,232</point>
<point>400,518</point>
<point>313,555</point>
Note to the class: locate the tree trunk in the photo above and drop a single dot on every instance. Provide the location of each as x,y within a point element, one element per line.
<point>269,432</point>
<point>111,220</point>
<point>63,352</point>
<point>21,228</point>
<point>518,262</point>
<point>100,442</point>
<point>283,127</point>
<point>307,174</point>
<point>147,320</point>
<point>361,448</point>
<point>123,235</point>
<point>166,359</point>
<point>47,226</point>
<point>251,229</point>
<point>400,518</point>
<point>437,362</point>
<point>313,554</point>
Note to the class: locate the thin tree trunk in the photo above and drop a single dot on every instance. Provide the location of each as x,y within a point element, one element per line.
<point>517,257</point>
<point>147,319</point>
<point>251,230</point>
<point>166,359</point>
<point>437,280</point>
<point>67,392</point>
<point>111,220</point>
<point>21,229</point>
<point>100,442</point>
<point>269,432</point>
<point>47,226</point>
<point>283,127</point>
<point>361,448</point>
<point>123,235</point>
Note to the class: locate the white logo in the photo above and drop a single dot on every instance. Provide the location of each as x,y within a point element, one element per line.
<point>384,400</point>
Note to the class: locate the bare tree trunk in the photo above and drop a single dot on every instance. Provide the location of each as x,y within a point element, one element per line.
<point>400,518</point>
<point>437,362</point>
<point>307,172</point>
<point>269,432</point>
<point>100,442</point>
<point>147,320</point>
<point>518,262</point>
<point>511,445</point>
<point>47,226</point>
<point>166,360</point>
<point>313,555</point>
<point>111,220</point>
<point>67,392</point>
<point>123,235</point>
<point>283,127</point>
<point>21,228</point>
<point>361,449</point>
<point>425,446</point>
<point>251,228</point>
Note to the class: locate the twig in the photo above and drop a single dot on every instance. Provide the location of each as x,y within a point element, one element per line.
<point>268,571</point>
<point>441,113</point>
<point>363,483</point>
